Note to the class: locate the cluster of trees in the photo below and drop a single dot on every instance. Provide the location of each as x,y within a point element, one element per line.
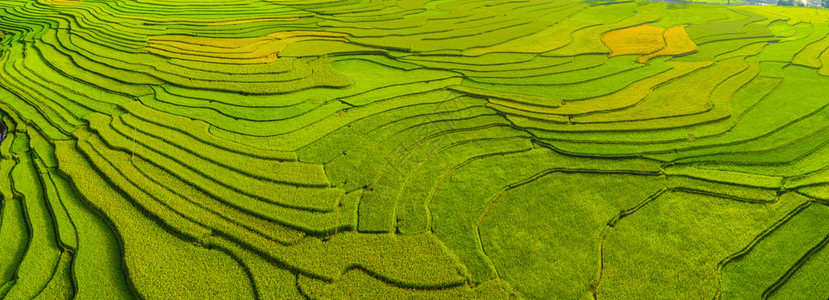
<point>2,130</point>
<point>820,3</point>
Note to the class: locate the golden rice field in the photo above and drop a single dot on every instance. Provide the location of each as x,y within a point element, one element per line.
<point>413,149</point>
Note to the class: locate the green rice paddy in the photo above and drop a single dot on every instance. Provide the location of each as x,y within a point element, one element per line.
<point>413,149</point>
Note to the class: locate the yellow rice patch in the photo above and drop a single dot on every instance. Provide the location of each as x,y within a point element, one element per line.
<point>63,1</point>
<point>642,39</point>
<point>213,42</point>
<point>649,41</point>
<point>678,42</point>
<point>232,50</point>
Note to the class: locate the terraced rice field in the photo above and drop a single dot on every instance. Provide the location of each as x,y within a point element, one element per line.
<point>480,149</point>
